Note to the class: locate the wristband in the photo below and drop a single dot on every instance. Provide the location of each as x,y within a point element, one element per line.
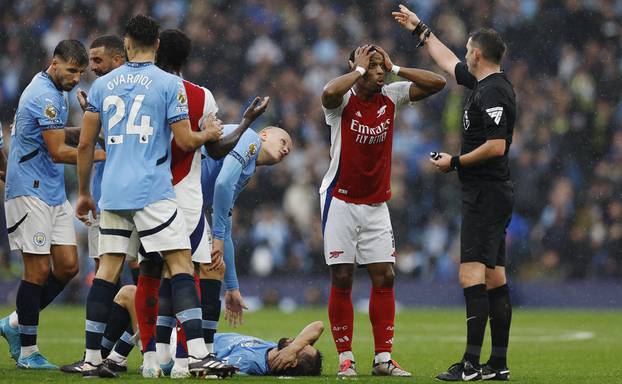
<point>395,69</point>
<point>455,163</point>
<point>361,70</point>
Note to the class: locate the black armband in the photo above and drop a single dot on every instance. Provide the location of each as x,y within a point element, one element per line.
<point>455,163</point>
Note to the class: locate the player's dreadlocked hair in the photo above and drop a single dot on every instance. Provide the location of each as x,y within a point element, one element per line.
<point>490,43</point>
<point>173,51</point>
<point>72,51</point>
<point>111,43</point>
<point>143,30</point>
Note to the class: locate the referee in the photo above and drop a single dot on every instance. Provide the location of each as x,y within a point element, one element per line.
<point>487,196</point>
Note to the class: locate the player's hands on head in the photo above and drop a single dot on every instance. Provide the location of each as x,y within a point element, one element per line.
<point>257,108</point>
<point>406,18</point>
<point>212,125</point>
<point>84,205</point>
<point>362,55</point>
<point>82,99</point>
<point>443,162</point>
<point>234,307</point>
<point>385,56</point>
<point>285,358</point>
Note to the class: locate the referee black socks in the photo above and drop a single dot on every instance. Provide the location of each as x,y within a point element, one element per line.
<point>500,319</point>
<point>477,309</point>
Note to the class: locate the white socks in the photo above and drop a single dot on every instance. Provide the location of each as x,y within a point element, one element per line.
<point>347,355</point>
<point>382,357</point>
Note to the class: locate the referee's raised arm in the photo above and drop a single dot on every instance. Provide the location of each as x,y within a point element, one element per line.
<point>442,55</point>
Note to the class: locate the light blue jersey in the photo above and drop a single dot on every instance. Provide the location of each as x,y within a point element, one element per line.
<point>31,171</point>
<point>96,182</point>
<point>137,103</point>
<point>248,353</point>
<point>222,181</point>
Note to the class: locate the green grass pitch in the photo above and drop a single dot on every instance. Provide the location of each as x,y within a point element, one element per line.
<point>545,347</point>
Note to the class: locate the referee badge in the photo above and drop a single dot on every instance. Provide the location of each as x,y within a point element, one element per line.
<point>39,239</point>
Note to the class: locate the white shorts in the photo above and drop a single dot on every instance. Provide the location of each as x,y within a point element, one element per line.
<point>358,233</point>
<point>160,225</point>
<point>93,236</point>
<point>33,225</point>
<point>199,233</point>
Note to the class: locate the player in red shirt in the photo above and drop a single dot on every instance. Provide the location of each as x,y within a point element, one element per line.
<point>153,298</point>
<point>361,110</point>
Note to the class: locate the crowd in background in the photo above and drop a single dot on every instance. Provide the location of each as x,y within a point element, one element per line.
<point>564,59</point>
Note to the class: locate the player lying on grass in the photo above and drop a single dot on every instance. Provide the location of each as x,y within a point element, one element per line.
<point>251,355</point>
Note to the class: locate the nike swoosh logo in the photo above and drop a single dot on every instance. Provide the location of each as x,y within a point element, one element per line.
<point>504,372</point>
<point>471,318</point>
<point>468,377</point>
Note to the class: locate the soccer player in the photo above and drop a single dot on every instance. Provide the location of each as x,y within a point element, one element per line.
<point>251,355</point>
<point>487,195</point>
<point>38,215</point>
<point>105,54</point>
<point>138,105</point>
<point>361,109</point>
<point>172,54</point>
<point>222,181</point>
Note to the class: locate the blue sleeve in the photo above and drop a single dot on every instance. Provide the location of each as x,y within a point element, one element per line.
<point>94,100</point>
<point>47,111</point>
<point>224,190</point>
<point>231,276</point>
<point>176,101</point>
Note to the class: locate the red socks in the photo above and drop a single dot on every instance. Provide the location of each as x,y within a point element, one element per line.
<point>146,304</point>
<point>341,316</point>
<point>382,317</point>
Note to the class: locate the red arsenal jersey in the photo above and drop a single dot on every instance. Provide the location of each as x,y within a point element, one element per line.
<point>361,145</point>
<point>186,166</point>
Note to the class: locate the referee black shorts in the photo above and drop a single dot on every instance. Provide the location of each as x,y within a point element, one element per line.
<point>486,213</point>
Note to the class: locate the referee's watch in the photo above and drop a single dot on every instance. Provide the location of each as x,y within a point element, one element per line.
<point>455,163</point>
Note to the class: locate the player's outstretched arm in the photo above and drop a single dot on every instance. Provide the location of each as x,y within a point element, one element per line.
<point>308,336</point>
<point>424,83</point>
<point>219,149</point>
<point>442,55</point>
<point>189,140</point>
<point>332,95</point>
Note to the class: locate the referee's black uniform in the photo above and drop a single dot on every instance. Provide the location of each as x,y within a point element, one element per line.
<point>487,195</point>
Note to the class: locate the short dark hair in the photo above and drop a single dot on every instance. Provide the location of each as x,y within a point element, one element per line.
<point>111,43</point>
<point>72,51</point>
<point>490,43</point>
<point>174,50</point>
<point>143,30</point>
<point>307,366</point>
<point>351,57</point>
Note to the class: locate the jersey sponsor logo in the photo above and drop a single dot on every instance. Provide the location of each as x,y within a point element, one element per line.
<point>335,254</point>
<point>465,120</point>
<point>39,239</point>
<point>370,135</point>
<point>50,112</point>
<point>495,114</point>
<point>381,111</point>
